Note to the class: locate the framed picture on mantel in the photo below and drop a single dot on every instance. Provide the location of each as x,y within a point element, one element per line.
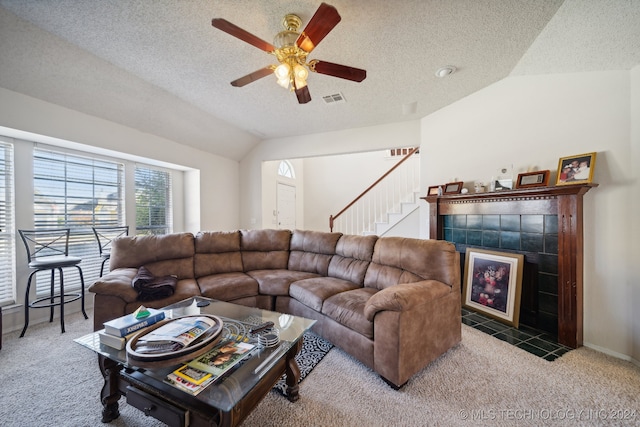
<point>533,179</point>
<point>493,284</point>
<point>453,187</point>
<point>576,169</point>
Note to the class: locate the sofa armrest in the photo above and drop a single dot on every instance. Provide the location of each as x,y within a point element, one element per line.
<point>405,296</point>
<point>117,283</point>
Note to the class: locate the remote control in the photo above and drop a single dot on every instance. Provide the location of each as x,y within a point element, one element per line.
<point>261,327</point>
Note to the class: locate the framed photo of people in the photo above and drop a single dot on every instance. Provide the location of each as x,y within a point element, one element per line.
<point>493,284</point>
<point>576,169</point>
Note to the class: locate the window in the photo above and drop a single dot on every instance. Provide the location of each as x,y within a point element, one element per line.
<point>7,232</point>
<point>285,169</point>
<point>153,201</point>
<point>77,192</point>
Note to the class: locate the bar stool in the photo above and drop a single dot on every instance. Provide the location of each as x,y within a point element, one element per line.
<point>104,236</point>
<point>49,250</point>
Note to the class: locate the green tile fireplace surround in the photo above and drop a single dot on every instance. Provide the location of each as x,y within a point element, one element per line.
<point>545,225</point>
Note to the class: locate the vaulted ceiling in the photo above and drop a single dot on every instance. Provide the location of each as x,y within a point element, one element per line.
<point>160,67</point>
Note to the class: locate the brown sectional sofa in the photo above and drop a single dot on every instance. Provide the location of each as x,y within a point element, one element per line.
<point>393,303</point>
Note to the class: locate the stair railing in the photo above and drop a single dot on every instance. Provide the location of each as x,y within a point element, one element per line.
<point>385,195</point>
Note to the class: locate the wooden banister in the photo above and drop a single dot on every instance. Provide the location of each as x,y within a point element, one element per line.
<point>334,217</point>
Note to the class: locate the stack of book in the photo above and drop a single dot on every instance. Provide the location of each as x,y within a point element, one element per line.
<point>117,331</point>
<point>196,375</point>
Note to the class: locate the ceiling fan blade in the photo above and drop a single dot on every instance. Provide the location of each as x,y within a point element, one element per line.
<point>321,23</point>
<point>245,36</point>
<point>337,70</point>
<point>303,95</point>
<point>250,78</point>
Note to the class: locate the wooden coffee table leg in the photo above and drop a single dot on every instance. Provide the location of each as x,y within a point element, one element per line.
<point>110,393</point>
<point>292,371</point>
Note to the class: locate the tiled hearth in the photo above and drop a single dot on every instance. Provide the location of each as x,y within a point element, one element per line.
<point>536,342</point>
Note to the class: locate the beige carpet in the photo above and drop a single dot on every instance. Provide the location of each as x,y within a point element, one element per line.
<point>48,380</point>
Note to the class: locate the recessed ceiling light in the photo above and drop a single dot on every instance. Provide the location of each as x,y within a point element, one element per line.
<point>445,71</point>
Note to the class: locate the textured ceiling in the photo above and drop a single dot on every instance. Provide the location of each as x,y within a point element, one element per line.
<point>160,67</point>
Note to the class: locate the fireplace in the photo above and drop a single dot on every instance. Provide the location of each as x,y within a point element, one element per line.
<point>543,224</point>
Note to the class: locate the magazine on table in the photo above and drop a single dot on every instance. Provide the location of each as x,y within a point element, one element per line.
<point>186,385</point>
<point>196,375</point>
<point>174,335</point>
<point>223,357</point>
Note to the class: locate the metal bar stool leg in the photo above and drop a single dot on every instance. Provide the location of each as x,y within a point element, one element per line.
<point>102,266</point>
<point>53,293</point>
<point>82,290</point>
<point>26,305</point>
<point>61,300</point>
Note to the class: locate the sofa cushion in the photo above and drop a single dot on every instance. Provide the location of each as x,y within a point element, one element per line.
<point>312,292</point>
<point>228,286</point>
<point>347,308</point>
<point>164,255</point>
<point>311,251</point>
<point>353,254</point>
<point>276,282</point>
<point>405,260</point>
<point>217,252</point>
<point>265,249</point>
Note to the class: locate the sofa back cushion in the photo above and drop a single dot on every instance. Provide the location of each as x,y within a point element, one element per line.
<point>405,260</point>
<point>163,255</point>
<point>217,252</point>
<point>352,258</point>
<point>265,249</point>
<point>311,251</point>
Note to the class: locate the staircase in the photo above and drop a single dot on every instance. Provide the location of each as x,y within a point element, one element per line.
<point>394,218</point>
<point>386,203</point>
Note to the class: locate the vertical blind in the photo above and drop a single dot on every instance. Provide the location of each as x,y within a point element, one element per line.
<point>7,232</point>
<point>153,201</point>
<point>76,192</point>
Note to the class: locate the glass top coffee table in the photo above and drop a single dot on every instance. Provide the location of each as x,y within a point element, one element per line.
<point>228,400</point>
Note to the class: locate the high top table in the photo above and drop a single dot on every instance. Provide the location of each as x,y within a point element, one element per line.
<point>225,402</point>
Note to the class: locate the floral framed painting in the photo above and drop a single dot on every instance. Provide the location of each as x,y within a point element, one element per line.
<point>576,169</point>
<point>493,284</point>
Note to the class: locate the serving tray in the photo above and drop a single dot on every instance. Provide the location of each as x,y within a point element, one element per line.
<point>204,343</point>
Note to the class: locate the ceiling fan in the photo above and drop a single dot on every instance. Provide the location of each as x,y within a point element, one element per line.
<point>291,49</point>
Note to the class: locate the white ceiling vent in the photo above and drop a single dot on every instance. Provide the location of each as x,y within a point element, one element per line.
<point>336,98</point>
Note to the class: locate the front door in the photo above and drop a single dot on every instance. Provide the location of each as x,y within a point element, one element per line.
<point>286,205</point>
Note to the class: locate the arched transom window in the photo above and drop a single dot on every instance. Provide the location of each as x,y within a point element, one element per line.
<point>285,169</point>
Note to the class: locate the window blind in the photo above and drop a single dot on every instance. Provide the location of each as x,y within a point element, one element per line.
<point>77,192</point>
<point>153,201</point>
<point>7,232</point>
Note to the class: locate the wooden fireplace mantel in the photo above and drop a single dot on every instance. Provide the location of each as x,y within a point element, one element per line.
<point>563,201</point>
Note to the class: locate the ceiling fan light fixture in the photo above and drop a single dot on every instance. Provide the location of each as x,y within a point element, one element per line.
<point>300,72</point>
<point>282,71</point>
<point>300,83</point>
<point>285,39</point>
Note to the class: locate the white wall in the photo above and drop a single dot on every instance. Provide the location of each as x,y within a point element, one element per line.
<point>633,284</point>
<point>322,144</point>
<point>533,121</point>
